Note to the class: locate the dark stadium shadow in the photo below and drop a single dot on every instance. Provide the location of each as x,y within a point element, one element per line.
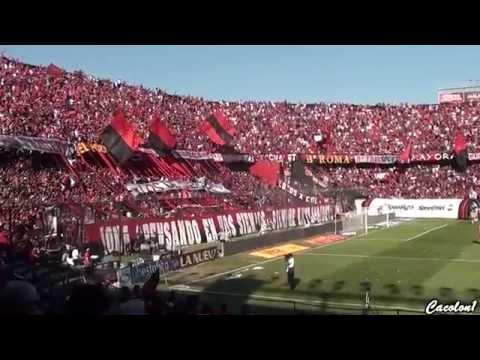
<point>474,293</point>
<point>446,294</point>
<point>237,293</point>
<point>338,286</point>
<point>315,284</point>
<point>392,289</point>
<point>242,296</point>
<point>296,282</point>
<point>417,290</point>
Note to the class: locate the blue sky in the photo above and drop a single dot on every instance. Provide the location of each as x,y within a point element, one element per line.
<point>356,74</point>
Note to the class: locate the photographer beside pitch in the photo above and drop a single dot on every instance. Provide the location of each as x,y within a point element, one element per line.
<point>290,270</point>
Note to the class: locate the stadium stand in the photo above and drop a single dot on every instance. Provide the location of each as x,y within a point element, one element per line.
<point>49,103</point>
<point>40,102</point>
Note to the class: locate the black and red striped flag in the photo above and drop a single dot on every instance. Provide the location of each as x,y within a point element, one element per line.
<point>459,144</point>
<point>120,138</point>
<point>460,150</point>
<point>54,70</point>
<point>161,138</point>
<point>218,128</point>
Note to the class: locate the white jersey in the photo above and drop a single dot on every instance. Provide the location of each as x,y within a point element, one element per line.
<point>290,264</point>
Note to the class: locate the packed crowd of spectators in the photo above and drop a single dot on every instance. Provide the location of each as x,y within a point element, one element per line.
<point>77,107</point>
<point>29,184</point>
<point>415,181</point>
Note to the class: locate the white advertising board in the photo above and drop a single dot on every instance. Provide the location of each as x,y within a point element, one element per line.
<point>417,208</point>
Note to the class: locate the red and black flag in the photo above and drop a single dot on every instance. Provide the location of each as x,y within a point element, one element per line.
<point>161,138</point>
<point>460,144</point>
<point>218,128</point>
<point>460,149</point>
<point>54,70</point>
<point>120,138</point>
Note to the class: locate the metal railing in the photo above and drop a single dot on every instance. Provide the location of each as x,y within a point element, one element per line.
<point>269,305</point>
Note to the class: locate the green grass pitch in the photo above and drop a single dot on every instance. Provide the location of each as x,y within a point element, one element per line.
<point>404,266</point>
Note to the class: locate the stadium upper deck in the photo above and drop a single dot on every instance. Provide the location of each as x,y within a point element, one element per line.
<point>76,107</point>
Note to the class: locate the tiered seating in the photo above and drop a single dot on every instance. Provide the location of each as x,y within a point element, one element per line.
<point>77,107</point>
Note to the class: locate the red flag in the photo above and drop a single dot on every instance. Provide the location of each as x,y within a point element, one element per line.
<point>179,168</point>
<point>54,70</point>
<point>460,144</point>
<point>266,170</point>
<point>405,155</point>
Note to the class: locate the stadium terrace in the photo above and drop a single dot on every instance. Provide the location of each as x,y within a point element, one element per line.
<point>116,169</point>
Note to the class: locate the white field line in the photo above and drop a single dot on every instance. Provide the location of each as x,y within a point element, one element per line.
<point>413,237</point>
<point>287,299</point>
<point>279,257</point>
<point>395,258</point>
<point>426,232</point>
<point>387,240</point>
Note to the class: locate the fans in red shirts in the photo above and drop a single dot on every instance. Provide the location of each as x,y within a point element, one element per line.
<point>4,241</point>
<point>76,107</point>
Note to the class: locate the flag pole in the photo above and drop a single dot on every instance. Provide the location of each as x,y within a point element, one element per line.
<point>335,212</point>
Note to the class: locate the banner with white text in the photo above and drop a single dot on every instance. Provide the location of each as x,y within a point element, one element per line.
<point>186,231</point>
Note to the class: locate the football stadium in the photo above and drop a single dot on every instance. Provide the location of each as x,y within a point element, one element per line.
<point>118,199</point>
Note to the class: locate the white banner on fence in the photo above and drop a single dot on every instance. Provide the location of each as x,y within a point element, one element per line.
<point>166,185</point>
<point>417,208</point>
